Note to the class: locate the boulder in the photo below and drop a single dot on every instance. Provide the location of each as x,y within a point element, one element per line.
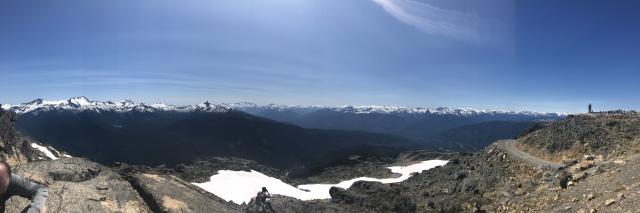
<point>569,162</point>
<point>288,204</point>
<point>78,185</point>
<point>609,202</point>
<point>578,176</point>
<point>584,165</point>
<point>166,193</point>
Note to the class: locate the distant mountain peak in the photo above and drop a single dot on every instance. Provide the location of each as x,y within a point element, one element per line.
<point>36,101</point>
<point>82,103</point>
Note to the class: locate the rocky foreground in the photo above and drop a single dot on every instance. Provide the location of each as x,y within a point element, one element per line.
<point>78,185</point>
<point>586,163</point>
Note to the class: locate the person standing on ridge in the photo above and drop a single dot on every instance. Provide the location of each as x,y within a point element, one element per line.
<point>262,199</point>
<point>11,185</point>
<point>589,106</point>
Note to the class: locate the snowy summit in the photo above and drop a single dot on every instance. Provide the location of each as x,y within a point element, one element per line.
<point>82,103</point>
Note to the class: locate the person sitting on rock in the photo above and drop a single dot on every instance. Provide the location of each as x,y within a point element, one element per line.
<point>11,185</point>
<point>261,199</point>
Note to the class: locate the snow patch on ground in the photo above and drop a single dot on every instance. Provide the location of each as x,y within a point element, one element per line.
<point>241,186</point>
<point>59,154</point>
<point>44,150</point>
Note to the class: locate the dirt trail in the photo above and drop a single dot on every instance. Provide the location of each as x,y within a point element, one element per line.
<point>509,147</point>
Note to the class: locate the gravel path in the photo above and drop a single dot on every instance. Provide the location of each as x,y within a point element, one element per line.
<point>509,147</point>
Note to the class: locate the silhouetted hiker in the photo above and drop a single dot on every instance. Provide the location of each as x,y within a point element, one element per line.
<point>11,185</point>
<point>262,200</point>
<point>590,111</point>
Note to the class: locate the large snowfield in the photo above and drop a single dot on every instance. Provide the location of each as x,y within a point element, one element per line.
<point>241,186</point>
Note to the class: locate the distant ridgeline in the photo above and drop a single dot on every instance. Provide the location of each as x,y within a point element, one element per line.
<point>278,136</point>
<point>160,134</point>
<point>439,128</point>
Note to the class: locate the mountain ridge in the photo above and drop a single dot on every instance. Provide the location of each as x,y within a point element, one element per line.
<point>82,103</point>
<point>79,103</point>
<point>110,136</point>
<point>385,109</point>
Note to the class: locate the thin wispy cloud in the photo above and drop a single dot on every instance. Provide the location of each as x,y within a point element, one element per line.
<point>437,21</point>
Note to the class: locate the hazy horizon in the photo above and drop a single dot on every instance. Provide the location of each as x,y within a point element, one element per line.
<point>544,56</point>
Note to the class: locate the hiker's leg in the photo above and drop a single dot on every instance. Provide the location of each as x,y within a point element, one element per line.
<point>270,207</point>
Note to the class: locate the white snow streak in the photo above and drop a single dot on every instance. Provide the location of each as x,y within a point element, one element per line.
<point>44,150</point>
<point>241,186</point>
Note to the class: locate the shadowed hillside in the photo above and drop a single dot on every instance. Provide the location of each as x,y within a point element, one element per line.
<point>180,137</point>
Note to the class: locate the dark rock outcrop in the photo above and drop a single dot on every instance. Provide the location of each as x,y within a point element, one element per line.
<point>289,204</point>
<point>15,148</point>
<point>375,196</point>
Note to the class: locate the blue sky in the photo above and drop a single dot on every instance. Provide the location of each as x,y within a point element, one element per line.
<point>543,55</point>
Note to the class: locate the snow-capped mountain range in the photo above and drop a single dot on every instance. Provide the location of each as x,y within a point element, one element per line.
<point>381,109</point>
<point>82,103</point>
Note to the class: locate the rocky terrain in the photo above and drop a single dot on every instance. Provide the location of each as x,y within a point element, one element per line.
<point>607,135</point>
<point>584,163</point>
<point>166,193</point>
<point>78,185</point>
